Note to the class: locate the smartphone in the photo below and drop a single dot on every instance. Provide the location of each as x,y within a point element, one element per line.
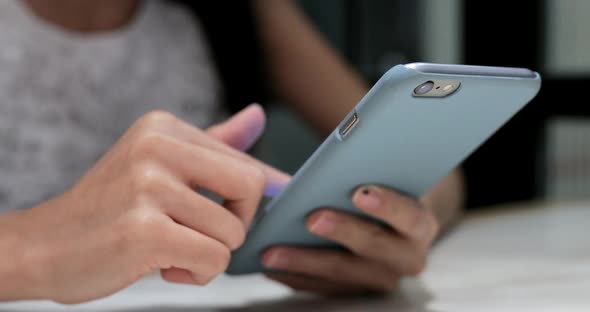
<point>415,125</point>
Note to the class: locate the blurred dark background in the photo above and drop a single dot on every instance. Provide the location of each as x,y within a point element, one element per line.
<point>545,150</point>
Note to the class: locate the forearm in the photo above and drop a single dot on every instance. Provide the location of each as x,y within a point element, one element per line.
<point>314,80</point>
<point>16,269</point>
<point>446,199</point>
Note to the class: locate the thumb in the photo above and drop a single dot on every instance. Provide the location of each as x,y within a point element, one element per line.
<point>242,130</point>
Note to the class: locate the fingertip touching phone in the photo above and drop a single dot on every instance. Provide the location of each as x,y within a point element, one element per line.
<point>415,125</point>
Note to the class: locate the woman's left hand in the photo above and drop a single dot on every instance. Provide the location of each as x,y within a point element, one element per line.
<point>379,254</point>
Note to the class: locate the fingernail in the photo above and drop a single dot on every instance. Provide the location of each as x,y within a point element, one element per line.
<point>276,259</point>
<point>322,225</point>
<point>367,197</point>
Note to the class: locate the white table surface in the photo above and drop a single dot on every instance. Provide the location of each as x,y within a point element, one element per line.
<point>520,258</point>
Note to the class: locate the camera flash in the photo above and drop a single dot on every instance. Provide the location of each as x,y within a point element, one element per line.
<point>448,88</point>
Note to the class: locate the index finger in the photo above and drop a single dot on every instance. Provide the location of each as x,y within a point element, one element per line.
<point>276,180</point>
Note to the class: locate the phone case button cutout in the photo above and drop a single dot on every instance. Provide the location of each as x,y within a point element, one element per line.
<point>347,127</point>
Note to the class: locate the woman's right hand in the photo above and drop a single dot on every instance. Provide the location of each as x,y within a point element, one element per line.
<point>137,210</point>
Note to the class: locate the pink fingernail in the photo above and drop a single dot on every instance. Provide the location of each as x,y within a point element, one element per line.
<point>276,260</point>
<point>367,197</point>
<point>322,225</point>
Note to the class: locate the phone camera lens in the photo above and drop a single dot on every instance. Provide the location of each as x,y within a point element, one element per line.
<point>424,88</point>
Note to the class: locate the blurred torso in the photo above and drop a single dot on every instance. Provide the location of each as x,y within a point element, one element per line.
<point>65,97</point>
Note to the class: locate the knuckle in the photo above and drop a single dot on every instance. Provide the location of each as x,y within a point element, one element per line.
<point>238,236</point>
<point>219,258</point>
<point>222,259</point>
<point>155,118</point>
<point>146,222</point>
<point>376,231</point>
<point>146,179</point>
<point>416,218</point>
<point>376,235</point>
<point>146,146</point>
<point>152,121</point>
<point>256,179</point>
<point>139,231</point>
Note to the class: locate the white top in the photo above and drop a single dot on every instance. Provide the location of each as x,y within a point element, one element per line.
<point>65,98</point>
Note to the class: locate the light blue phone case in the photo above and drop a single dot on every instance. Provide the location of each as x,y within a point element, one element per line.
<point>400,141</point>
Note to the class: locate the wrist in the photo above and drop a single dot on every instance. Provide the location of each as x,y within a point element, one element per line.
<point>21,268</point>
<point>446,200</point>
